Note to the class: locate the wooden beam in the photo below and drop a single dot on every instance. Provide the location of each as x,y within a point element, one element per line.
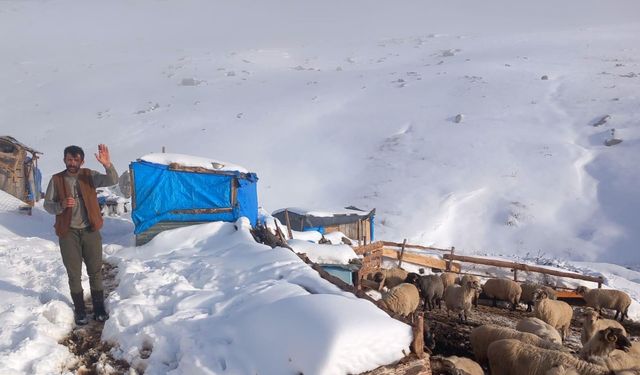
<point>419,247</point>
<point>521,267</point>
<point>401,253</point>
<point>362,250</point>
<point>422,260</point>
<point>288,222</point>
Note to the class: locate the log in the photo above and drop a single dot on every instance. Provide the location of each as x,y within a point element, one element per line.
<point>521,267</point>
<point>418,335</point>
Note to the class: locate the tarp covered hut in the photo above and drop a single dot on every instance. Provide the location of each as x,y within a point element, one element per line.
<point>174,190</point>
<point>19,173</point>
<point>353,222</point>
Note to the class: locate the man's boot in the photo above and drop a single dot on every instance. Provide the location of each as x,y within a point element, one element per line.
<point>99,313</point>
<point>79,313</point>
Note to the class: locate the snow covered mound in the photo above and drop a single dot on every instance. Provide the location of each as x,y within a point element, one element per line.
<point>8,202</point>
<point>208,298</point>
<point>35,312</point>
<point>324,253</point>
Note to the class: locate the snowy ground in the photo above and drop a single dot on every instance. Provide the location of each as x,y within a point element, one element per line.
<point>332,104</point>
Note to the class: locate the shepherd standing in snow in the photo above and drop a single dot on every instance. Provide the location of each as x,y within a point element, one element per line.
<point>71,196</point>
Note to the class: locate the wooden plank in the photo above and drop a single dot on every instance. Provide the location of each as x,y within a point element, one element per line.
<point>288,222</point>
<point>402,253</point>
<point>522,267</point>
<point>422,260</point>
<point>361,250</point>
<point>133,189</point>
<point>419,247</point>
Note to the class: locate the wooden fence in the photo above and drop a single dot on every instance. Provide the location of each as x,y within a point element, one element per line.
<point>390,250</point>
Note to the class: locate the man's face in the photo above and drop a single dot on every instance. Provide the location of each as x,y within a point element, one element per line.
<point>73,163</point>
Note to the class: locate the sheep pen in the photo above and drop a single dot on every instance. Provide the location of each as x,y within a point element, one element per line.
<point>452,337</point>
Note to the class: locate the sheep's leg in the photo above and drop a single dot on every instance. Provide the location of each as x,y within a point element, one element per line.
<point>495,302</point>
<point>616,317</point>
<point>529,309</point>
<point>514,305</point>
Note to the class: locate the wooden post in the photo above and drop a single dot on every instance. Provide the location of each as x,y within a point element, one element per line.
<point>404,243</point>
<point>163,149</point>
<point>600,282</point>
<point>453,250</point>
<point>515,274</point>
<point>358,226</point>
<point>286,218</point>
<point>418,335</point>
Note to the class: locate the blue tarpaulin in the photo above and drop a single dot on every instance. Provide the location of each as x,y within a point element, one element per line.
<point>165,194</point>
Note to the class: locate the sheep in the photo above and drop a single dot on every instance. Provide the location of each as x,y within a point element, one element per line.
<point>431,290</point>
<point>608,299</point>
<point>604,342</point>
<point>458,298</point>
<point>557,313</point>
<point>455,365</point>
<point>503,289</point>
<point>621,359</point>
<point>539,328</point>
<point>561,370</point>
<point>514,357</point>
<point>466,278</point>
<point>448,278</point>
<point>391,277</point>
<point>402,299</point>
<point>593,323</point>
<point>481,337</point>
<point>527,293</point>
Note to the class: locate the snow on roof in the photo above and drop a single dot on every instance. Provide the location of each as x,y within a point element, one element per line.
<point>192,161</point>
<point>322,212</point>
<point>324,253</point>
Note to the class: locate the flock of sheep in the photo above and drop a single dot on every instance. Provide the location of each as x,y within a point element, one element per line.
<point>535,346</point>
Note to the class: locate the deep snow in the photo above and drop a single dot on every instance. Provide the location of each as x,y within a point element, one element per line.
<point>333,104</point>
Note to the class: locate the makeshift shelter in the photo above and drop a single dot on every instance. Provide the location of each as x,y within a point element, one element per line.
<point>19,173</point>
<point>174,190</point>
<point>353,222</point>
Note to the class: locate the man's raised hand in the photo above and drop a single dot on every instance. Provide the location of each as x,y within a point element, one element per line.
<point>103,155</point>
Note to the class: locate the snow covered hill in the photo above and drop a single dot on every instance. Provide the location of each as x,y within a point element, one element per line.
<point>336,103</point>
<point>479,125</point>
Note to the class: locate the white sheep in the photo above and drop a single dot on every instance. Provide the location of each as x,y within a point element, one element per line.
<point>454,365</point>
<point>466,278</point>
<point>593,323</point>
<point>459,298</point>
<point>402,299</point>
<point>448,278</point>
<point>539,328</point>
<point>604,342</point>
<point>621,360</point>
<point>481,337</point>
<point>391,277</point>
<point>561,370</point>
<point>514,357</point>
<point>504,290</point>
<point>557,313</point>
<point>528,289</point>
<point>608,299</point>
